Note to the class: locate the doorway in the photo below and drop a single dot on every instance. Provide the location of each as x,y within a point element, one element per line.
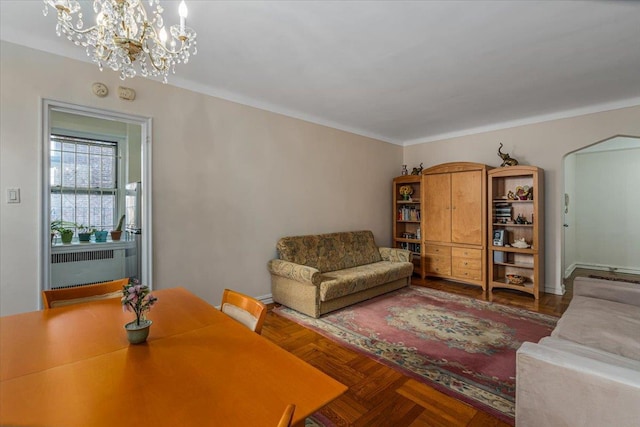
<point>601,227</point>
<point>91,158</point>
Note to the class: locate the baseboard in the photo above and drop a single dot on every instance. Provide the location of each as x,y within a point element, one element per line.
<point>555,290</point>
<point>610,268</point>
<point>266,299</point>
<point>569,270</point>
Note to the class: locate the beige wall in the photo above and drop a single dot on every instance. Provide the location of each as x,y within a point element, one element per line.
<point>228,180</point>
<point>544,145</point>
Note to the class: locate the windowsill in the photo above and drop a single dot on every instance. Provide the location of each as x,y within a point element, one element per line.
<point>91,246</point>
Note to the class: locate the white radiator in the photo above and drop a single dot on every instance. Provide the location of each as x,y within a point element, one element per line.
<point>75,265</point>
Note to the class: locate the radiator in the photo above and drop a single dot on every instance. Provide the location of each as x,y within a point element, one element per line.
<point>73,267</point>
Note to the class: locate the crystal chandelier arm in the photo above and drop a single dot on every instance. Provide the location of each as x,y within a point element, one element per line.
<point>64,18</point>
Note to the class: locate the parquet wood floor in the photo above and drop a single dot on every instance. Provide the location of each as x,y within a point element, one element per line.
<point>381,396</point>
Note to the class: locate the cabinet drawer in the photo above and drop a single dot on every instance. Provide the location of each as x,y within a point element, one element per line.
<point>467,273</point>
<point>438,264</point>
<point>467,253</point>
<point>467,263</point>
<point>437,250</point>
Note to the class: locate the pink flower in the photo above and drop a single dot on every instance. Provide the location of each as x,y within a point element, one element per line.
<point>137,298</point>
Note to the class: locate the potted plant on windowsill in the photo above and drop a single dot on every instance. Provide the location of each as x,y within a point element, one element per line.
<point>101,235</point>
<point>117,233</point>
<point>137,298</point>
<point>84,233</point>
<point>64,228</point>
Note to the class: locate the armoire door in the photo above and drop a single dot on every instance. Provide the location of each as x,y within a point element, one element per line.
<point>467,207</point>
<point>437,207</point>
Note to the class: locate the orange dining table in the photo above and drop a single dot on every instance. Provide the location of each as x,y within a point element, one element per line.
<point>73,366</point>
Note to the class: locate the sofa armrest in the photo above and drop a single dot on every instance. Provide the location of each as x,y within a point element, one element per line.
<point>555,387</point>
<point>395,255</point>
<point>611,290</point>
<point>298,272</point>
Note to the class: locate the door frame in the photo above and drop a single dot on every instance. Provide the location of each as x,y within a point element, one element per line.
<point>145,124</point>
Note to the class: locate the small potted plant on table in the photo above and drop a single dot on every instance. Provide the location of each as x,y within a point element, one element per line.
<point>137,298</point>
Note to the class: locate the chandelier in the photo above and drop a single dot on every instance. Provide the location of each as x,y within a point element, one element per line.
<point>124,38</point>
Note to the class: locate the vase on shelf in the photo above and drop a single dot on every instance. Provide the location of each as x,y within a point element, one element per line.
<point>138,333</point>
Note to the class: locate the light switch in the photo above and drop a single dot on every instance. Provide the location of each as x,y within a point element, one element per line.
<point>13,195</point>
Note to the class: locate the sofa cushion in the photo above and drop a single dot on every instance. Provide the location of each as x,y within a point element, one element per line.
<point>607,325</point>
<point>330,252</point>
<point>356,279</point>
<point>590,353</point>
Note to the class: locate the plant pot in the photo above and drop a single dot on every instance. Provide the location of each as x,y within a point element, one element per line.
<point>66,236</point>
<point>84,237</point>
<point>137,334</point>
<point>101,236</point>
<point>115,235</point>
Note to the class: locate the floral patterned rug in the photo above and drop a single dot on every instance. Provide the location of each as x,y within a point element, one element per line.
<point>462,346</point>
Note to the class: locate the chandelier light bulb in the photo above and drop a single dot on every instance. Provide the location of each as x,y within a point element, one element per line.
<point>183,12</point>
<point>125,37</point>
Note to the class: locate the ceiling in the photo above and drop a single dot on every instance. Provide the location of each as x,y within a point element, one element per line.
<point>405,72</point>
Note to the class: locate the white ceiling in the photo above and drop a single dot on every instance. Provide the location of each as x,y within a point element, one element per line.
<point>401,71</point>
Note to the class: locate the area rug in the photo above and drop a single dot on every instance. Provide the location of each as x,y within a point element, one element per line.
<point>318,420</point>
<point>617,279</point>
<point>462,346</point>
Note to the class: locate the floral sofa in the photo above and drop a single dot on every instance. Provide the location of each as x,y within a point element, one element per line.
<point>316,274</point>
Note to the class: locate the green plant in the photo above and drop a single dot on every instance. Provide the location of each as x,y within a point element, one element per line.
<point>82,229</point>
<point>119,227</point>
<point>64,228</point>
<point>60,226</point>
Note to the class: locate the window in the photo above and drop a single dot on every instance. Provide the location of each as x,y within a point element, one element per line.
<point>83,181</point>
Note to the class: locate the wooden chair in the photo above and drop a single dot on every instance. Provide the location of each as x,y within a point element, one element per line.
<point>68,296</point>
<point>287,416</point>
<point>245,309</point>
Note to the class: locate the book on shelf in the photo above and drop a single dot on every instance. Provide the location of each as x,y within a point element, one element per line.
<point>408,213</point>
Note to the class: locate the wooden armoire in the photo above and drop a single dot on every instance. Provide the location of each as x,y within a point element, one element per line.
<point>454,218</point>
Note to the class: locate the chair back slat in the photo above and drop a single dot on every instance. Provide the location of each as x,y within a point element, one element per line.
<point>79,294</point>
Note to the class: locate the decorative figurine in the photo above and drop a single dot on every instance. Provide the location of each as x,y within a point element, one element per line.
<point>418,170</point>
<point>506,158</point>
<point>404,170</point>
